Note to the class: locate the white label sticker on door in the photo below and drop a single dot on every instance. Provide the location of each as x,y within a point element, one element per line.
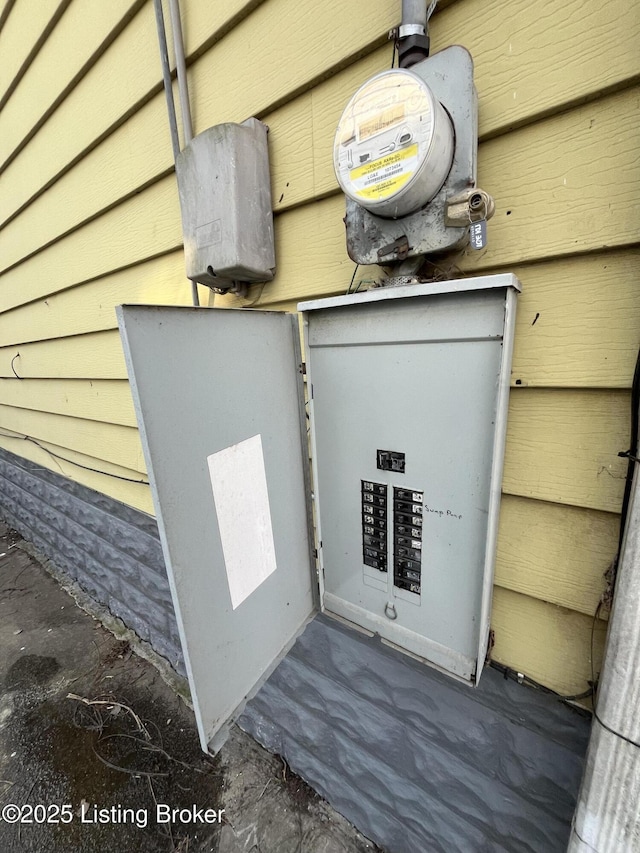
<point>239,483</point>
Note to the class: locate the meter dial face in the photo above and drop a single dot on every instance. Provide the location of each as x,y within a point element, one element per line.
<point>394,144</point>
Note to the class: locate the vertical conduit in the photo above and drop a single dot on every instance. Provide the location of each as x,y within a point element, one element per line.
<point>182,88</point>
<point>413,41</point>
<point>607,818</point>
<point>414,12</point>
<point>166,77</point>
<point>181,69</point>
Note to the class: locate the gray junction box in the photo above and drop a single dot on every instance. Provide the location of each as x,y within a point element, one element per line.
<point>408,393</point>
<point>225,201</point>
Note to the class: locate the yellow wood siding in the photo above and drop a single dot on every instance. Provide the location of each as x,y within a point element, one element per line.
<point>548,643</point>
<point>26,25</point>
<point>90,307</point>
<point>301,133</point>
<point>99,400</point>
<point>39,91</point>
<point>119,445</point>
<point>89,219</point>
<point>98,355</point>
<point>557,554</point>
<point>528,58</point>
<point>577,323</point>
<point>563,446</point>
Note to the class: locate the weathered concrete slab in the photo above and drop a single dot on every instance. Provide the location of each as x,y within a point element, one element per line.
<point>57,751</point>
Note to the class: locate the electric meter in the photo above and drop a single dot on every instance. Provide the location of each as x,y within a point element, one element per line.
<point>394,145</point>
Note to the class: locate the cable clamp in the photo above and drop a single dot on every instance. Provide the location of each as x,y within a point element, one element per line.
<point>406,30</point>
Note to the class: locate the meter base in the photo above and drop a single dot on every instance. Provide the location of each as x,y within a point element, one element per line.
<point>449,74</point>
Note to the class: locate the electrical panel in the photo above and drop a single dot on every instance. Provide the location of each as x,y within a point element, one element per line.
<point>403,549</point>
<point>409,389</point>
<point>225,200</point>
<point>407,400</point>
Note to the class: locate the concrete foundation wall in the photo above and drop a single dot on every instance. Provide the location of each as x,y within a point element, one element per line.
<point>109,549</point>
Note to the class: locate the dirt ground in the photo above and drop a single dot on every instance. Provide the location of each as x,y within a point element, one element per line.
<point>99,753</point>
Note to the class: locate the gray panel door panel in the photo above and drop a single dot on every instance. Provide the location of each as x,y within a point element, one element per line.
<point>203,381</point>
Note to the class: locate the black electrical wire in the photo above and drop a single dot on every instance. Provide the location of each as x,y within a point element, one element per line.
<point>594,680</point>
<point>632,457</point>
<point>17,355</point>
<point>631,454</point>
<point>617,734</point>
<point>22,437</point>
<point>353,278</point>
<point>510,673</point>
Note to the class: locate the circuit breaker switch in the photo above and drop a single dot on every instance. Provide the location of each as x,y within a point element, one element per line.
<point>374,524</point>
<point>407,540</point>
<point>391,460</point>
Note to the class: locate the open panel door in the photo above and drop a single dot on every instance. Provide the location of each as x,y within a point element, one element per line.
<point>218,397</point>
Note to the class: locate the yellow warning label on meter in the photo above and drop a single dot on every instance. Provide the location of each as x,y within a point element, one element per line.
<point>382,178</point>
<point>385,189</point>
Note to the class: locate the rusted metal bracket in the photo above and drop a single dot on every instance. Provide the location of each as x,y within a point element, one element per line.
<point>396,251</point>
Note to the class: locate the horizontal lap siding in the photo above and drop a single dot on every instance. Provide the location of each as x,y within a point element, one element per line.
<point>550,644</point>
<point>301,132</point>
<point>562,446</point>
<point>91,306</point>
<point>576,325</point>
<point>119,445</point>
<point>100,101</point>
<point>89,219</point>
<point>555,553</point>
<point>117,84</point>
<point>25,27</point>
<point>39,92</point>
<point>98,355</point>
<point>98,400</point>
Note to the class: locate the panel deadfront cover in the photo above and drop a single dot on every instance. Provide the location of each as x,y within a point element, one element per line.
<point>408,411</point>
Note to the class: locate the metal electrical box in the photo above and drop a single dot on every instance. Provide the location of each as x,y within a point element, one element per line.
<point>375,239</point>
<point>225,201</point>
<point>409,388</point>
<point>407,400</point>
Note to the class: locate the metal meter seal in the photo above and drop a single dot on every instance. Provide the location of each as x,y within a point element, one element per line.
<point>405,155</point>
